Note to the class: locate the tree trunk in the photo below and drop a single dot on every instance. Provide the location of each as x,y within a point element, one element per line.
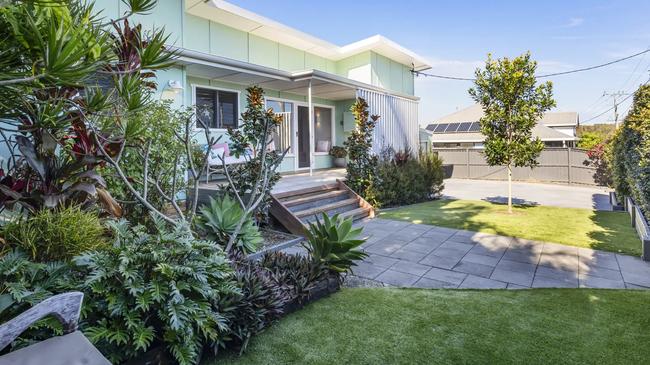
<point>509,188</point>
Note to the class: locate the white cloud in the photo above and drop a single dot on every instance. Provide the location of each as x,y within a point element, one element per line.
<point>574,22</point>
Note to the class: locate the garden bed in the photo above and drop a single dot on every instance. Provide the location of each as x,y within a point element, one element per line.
<point>275,241</point>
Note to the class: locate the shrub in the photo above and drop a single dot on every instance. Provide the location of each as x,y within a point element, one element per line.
<point>362,165</point>
<point>254,179</point>
<point>630,155</point>
<point>333,243</point>
<point>158,288</point>
<point>25,283</point>
<point>403,179</point>
<point>338,152</point>
<point>259,303</point>
<point>219,220</point>
<point>156,127</point>
<point>597,157</point>
<point>51,235</point>
<point>295,275</point>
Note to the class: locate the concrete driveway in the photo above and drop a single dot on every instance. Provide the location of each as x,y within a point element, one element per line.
<point>570,196</point>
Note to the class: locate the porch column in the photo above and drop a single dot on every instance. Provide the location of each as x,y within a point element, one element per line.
<point>311,130</point>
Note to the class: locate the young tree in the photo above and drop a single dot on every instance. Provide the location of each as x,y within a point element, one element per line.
<point>512,104</point>
<point>362,164</point>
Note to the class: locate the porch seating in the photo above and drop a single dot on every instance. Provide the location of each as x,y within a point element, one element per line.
<point>71,348</point>
<point>221,151</point>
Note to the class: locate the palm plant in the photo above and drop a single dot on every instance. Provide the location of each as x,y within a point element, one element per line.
<point>333,242</point>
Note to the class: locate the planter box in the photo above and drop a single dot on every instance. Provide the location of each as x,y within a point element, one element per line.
<point>640,225</point>
<point>277,247</point>
<point>617,206</point>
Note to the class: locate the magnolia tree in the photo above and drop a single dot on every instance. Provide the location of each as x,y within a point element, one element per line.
<point>362,165</point>
<point>512,104</point>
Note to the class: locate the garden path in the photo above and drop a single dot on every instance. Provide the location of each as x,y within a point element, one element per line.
<point>424,256</point>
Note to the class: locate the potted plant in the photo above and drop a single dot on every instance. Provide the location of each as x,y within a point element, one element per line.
<point>338,153</point>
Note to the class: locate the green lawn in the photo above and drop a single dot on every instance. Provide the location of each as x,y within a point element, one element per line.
<point>610,231</point>
<point>412,326</point>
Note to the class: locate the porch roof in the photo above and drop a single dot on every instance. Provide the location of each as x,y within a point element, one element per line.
<point>324,85</point>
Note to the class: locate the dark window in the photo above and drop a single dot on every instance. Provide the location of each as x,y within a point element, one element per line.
<point>464,127</point>
<point>216,108</point>
<point>441,128</point>
<point>452,128</point>
<point>475,127</point>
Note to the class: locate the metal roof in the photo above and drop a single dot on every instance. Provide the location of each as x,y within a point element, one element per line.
<point>233,16</point>
<point>324,84</point>
<point>461,126</point>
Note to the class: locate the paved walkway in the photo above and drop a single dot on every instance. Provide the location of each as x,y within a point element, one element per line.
<point>569,196</point>
<point>423,256</point>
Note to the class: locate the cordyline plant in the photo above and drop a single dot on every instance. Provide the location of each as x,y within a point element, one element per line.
<point>63,71</point>
<point>512,104</point>
<point>362,163</point>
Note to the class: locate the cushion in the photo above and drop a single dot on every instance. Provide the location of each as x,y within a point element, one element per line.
<point>323,146</point>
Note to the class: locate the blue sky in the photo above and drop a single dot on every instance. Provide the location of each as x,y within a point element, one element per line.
<point>455,36</point>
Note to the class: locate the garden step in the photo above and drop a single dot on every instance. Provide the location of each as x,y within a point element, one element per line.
<point>315,197</point>
<point>296,209</point>
<point>325,208</point>
<point>357,213</point>
<point>305,191</point>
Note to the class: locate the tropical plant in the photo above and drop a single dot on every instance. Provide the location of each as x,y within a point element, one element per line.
<point>338,152</point>
<point>158,287</point>
<point>333,242</point>
<point>362,165</point>
<point>512,104</point>
<point>63,70</point>
<point>220,218</point>
<point>251,182</point>
<point>52,235</point>
<point>259,303</point>
<point>295,275</point>
<point>630,153</point>
<point>25,283</point>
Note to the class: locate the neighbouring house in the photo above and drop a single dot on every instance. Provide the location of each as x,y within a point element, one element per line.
<point>224,49</point>
<point>461,129</point>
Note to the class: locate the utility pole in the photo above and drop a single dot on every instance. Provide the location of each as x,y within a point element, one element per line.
<point>615,96</point>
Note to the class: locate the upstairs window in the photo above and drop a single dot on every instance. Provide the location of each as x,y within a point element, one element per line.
<point>218,109</point>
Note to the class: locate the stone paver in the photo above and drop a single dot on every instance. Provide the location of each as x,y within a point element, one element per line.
<point>423,256</point>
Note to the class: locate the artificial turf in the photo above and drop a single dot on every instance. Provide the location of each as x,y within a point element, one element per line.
<point>416,326</point>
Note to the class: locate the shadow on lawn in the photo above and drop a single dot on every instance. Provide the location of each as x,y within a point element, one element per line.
<point>617,234</point>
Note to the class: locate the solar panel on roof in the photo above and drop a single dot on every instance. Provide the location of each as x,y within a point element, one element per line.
<point>475,127</point>
<point>452,128</point>
<point>464,127</point>
<point>441,128</point>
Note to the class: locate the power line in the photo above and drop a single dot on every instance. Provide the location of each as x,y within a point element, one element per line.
<point>613,107</point>
<point>419,73</point>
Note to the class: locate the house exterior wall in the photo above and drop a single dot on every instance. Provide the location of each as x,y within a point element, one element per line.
<point>202,35</point>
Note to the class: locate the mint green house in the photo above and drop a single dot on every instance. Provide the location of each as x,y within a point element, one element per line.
<point>311,82</point>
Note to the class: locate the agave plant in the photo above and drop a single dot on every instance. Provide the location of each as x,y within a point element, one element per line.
<point>219,220</point>
<point>333,243</point>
